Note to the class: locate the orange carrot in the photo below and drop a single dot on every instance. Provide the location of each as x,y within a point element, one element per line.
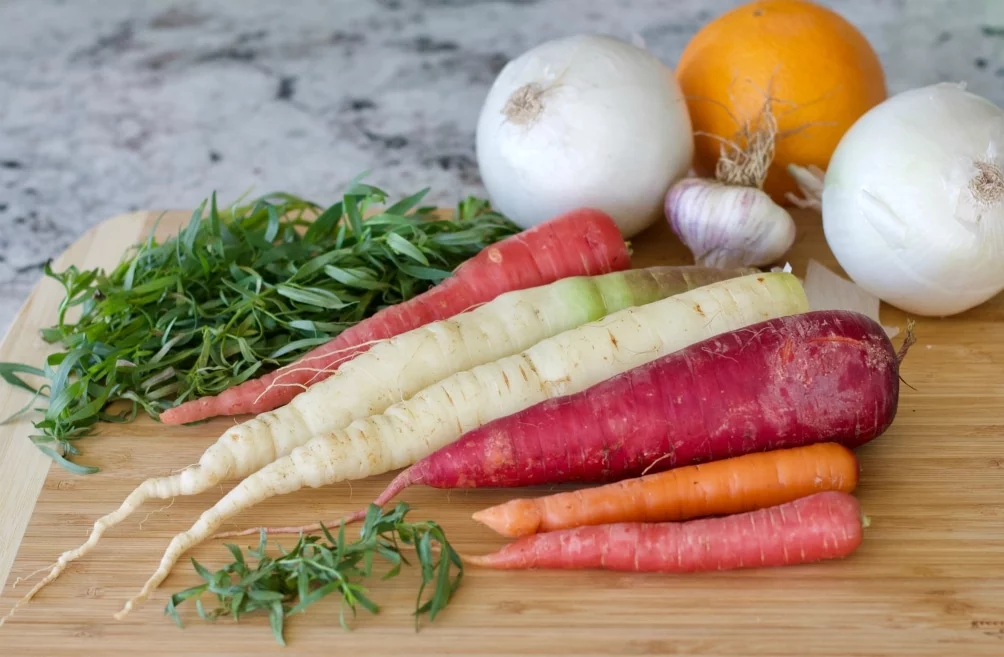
<point>735,485</point>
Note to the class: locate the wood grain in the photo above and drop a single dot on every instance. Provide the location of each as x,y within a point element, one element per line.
<point>929,579</point>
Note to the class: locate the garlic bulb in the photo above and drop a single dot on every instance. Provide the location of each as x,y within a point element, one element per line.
<point>728,225</point>
<point>913,200</point>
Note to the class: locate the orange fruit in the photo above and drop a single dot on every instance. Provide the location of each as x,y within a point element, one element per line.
<point>818,70</point>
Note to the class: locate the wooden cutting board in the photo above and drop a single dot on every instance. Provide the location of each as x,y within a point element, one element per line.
<point>928,580</point>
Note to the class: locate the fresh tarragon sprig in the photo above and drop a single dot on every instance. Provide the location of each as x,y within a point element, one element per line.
<point>237,293</point>
<point>317,567</point>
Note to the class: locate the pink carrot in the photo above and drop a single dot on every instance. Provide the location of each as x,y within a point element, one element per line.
<point>582,242</point>
<point>823,526</point>
<point>825,376</point>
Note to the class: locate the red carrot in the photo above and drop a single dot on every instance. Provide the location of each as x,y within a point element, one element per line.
<point>825,376</point>
<point>578,243</point>
<point>823,526</point>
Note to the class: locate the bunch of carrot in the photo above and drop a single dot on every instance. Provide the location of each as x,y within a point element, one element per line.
<point>715,409</point>
<point>793,398</point>
<point>783,499</point>
<point>747,437</point>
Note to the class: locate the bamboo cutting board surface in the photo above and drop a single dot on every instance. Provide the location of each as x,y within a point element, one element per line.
<point>928,580</point>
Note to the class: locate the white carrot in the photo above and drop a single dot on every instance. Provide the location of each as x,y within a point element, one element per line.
<point>438,415</point>
<point>395,369</point>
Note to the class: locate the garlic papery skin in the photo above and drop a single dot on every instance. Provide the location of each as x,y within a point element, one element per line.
<point>728,225</point>
<point>913,201</point>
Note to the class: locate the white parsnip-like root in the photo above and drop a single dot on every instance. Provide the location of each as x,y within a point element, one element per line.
<point>395,369</point>
<point>438,415</point>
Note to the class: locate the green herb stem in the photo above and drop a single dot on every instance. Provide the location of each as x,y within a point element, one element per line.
<point>317,567</point>
<point>235,294</point>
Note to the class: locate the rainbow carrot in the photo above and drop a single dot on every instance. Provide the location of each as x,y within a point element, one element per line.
<point>735,485</point>
<point>790,381</point>
<point>823,526</point>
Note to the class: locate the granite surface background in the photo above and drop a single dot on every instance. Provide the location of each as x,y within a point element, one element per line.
<point>108,106</point>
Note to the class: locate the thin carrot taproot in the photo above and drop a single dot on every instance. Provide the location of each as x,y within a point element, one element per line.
<point>827,525</point>
<point>734,485</point>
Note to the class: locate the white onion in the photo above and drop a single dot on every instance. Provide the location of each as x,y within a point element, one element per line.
<point>584,121</point>
<point>913,201</point>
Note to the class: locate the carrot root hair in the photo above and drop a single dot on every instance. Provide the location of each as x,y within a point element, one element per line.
<point>331,363</point>
<point>330,367</point>
<point>330,525</point>
<point>399,483</point>
<point>908,341</point>
<point>134,501</point>
<point>23,601</point>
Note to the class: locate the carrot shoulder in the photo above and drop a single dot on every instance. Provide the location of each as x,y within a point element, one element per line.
<point>823,526</point>
<point>734,485</point>
<point>582,242</point>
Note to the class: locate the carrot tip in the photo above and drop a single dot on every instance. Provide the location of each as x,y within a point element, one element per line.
<point>513,519</point>
<point>476,559</point>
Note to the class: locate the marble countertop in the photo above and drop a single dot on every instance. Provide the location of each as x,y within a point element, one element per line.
<point>108,106</point>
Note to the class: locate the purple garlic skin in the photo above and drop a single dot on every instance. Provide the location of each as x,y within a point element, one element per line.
<point>727,225</point>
